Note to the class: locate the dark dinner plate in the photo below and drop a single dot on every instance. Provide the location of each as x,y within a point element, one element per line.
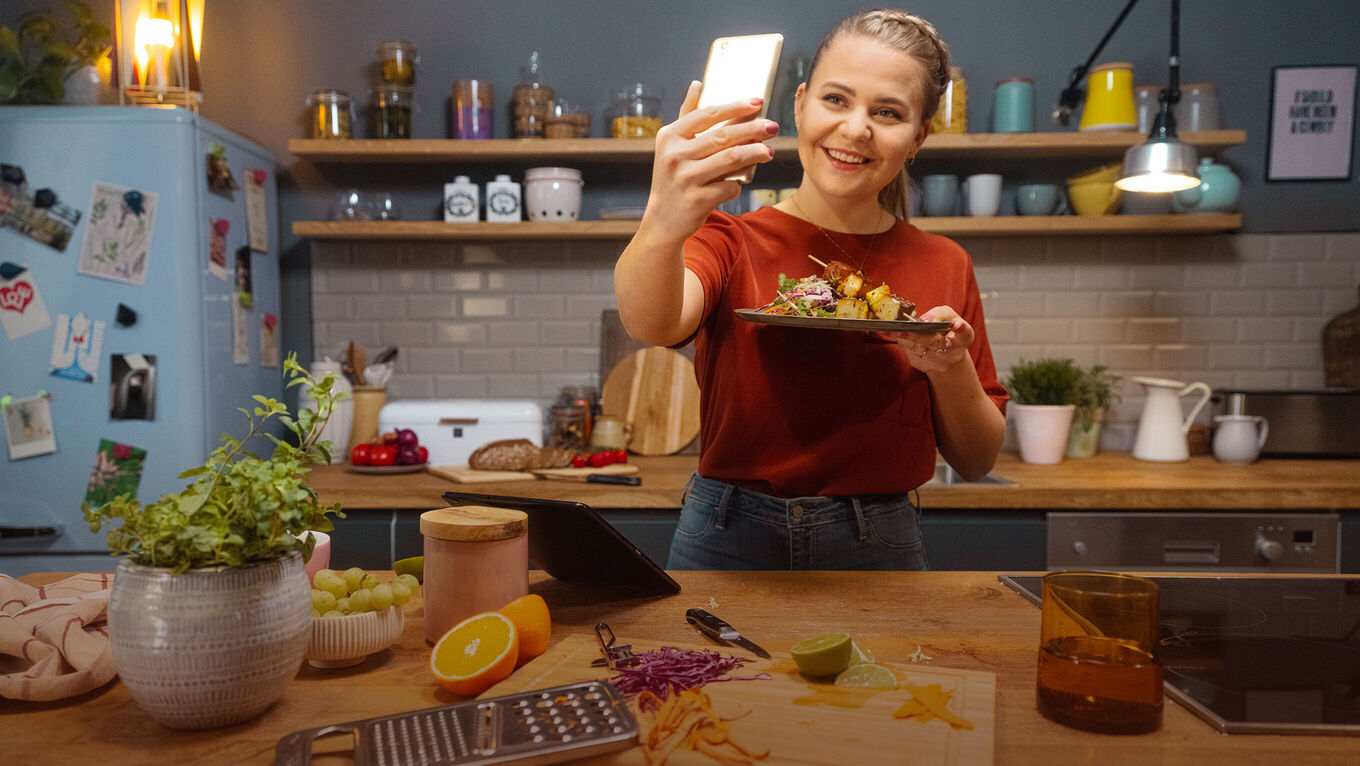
<point>386,468</point>
<point>834,323</point>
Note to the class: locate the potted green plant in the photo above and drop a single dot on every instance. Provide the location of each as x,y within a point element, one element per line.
<point>210,610</point>
<point>38,56</point>
<point>1096,391</point>
<point>1044,395</point>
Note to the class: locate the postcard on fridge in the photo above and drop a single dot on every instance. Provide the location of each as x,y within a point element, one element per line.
<point>28,427</point>
<point>118,236</point>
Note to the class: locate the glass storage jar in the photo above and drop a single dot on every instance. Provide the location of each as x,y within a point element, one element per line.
<point>568,429</point>
<point>392,111</point>
<point>636,112</point>
<point>330,113</point>
<point>398,58</point>
<point>952,114</point>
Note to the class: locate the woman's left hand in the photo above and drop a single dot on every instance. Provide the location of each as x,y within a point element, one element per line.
<point>940,351</point>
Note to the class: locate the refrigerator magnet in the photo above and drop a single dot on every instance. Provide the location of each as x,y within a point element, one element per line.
<point>217,247</point>
<point>22,310</point>
<point>75,348</point>
<point>28,427</point>
<point>257,210</point>
<point>117,470</point>
<point>118,237</point>
<point>219,174</point>
<point>269,341</point>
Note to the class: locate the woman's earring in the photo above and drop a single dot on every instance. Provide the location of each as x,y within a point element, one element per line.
<point>911,160</point>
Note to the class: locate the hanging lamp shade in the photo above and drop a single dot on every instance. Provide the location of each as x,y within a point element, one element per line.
<point>1162,164</point>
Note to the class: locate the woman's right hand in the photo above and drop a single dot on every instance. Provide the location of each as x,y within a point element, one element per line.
<point>688,172</point>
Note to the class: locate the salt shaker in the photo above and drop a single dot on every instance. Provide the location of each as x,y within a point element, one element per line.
<point>476,560</point>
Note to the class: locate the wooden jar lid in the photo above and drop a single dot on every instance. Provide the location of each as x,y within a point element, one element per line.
<point>473,523</point>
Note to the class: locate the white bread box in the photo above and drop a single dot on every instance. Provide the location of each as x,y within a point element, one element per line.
<point>452,428</point>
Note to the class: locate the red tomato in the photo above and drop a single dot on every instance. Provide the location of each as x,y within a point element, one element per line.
<point>360,454</point>
<point>383,455</point>
<point>424,454</point>
<point>578,461</point>
<point>597,461</point>
<point>620,456</point>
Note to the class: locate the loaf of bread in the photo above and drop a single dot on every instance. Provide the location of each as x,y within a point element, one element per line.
<point>517,455</point>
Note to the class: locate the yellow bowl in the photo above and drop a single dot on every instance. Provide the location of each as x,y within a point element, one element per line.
<point>1104,173</point>
<point>1094,197</point>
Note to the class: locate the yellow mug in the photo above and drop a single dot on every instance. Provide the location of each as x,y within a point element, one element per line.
<point>1109,98</point>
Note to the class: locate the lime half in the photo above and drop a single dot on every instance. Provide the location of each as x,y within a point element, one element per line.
<point>869,676</point>
<point>859,655</point>
<point>823,655</point>
<point>414,566</point>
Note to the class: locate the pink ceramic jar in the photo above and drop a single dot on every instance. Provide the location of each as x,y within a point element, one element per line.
<point>476,560</point>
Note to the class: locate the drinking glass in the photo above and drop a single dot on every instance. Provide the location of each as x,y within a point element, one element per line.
<point>1098,663</point>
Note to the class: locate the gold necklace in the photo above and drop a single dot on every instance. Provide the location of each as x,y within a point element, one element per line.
<point>867,250</point>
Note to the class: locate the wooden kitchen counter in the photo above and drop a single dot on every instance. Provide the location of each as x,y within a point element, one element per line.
<point>961,619</point>
<point>1108,480</point>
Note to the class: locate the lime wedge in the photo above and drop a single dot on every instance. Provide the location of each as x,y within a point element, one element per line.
<point>823,655</point>
<point>414,566</point>
<point>859,655</point>
<point>869,676</point>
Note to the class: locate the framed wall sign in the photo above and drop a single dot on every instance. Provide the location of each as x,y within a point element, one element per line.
<point>1312,119</point>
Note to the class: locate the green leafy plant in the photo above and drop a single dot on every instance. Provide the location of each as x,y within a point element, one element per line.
<point>1095,391</point>
<point>37,57</point>
<point>1045,381</point>
<point>240,508</point>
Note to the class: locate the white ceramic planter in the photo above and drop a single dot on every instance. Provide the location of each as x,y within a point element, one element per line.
<point>1085,442</point>
<point>211,647</point>
<point>552,194</point>
<point>1042,431</point>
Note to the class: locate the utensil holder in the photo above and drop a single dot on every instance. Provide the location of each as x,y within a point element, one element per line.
<point>368,402</point>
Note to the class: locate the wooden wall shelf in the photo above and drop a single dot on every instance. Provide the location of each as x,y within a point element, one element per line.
<point>596,230</point>
<point>639,150</point>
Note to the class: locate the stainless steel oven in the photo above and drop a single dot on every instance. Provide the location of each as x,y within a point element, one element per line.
<point>1226,541</point>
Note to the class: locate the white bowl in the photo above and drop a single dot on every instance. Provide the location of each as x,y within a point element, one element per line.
<point>552,194</point>
<point>339,642</point>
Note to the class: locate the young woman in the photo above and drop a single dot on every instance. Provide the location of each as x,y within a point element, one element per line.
<point>812,439</point>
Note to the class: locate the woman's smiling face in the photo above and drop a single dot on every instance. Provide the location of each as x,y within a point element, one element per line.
<point>859,117</point>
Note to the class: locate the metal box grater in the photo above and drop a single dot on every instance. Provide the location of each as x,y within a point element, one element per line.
<point>543,726</point>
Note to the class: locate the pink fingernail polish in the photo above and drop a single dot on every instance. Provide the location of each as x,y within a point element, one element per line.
<point>771,128</point>
<point>770,149</point>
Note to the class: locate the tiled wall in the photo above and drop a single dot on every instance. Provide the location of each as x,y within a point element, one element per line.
<point>522,319</point>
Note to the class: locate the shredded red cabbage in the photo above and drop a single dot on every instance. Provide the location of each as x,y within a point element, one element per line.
<point>671,669</point>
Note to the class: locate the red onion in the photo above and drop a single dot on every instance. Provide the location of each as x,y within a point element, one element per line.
<point>671,669</point>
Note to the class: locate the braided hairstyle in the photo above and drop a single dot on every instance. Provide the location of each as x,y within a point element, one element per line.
<point>915,37</point>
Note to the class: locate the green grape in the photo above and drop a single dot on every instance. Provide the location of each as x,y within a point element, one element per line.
<point>315,614</point>
<point>323,601</point>
<point>335,586</point>
<point>382,596</point>
<point>322,574</point>
<point>370,581</point>
<point>409,581</point>
<point>353,577</point>
<point>360,601</point>
<point>323,577</point>
<point>400,593</point>
<point>342,604</point>
<point>332,613</point>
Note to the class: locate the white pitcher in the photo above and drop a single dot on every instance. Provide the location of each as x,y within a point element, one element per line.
<point>1161,429</point>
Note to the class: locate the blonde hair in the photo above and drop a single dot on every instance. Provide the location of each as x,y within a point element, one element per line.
<point>915,37</point>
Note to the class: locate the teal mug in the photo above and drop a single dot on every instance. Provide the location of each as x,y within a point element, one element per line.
<point>941,195</point>
<point>1040,199</point>
<point>1013,106</point>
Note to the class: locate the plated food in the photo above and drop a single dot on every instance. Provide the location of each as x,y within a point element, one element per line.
<point>841,297</point>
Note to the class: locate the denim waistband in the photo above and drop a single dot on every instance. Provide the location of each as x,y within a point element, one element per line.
<point>791,512</point>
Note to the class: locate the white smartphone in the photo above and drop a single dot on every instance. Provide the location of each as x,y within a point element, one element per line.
<point>741,68</point>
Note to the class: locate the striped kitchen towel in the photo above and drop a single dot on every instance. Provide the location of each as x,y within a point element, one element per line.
<point>54,641</point>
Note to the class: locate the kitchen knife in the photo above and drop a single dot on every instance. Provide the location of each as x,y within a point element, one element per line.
<point>593,478</point>
<point>714,627</point>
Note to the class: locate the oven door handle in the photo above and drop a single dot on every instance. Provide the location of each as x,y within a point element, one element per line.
<point>1190,552</point>
<point>9,532</point>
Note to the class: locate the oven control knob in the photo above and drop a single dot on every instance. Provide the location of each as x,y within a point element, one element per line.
<point>1270,550</point>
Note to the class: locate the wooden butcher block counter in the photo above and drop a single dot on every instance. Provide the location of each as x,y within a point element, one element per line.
<point>1108,480</point>
<point>966,621</point>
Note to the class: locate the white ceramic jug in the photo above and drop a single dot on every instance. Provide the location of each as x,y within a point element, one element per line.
<point>1239,438</point>
<point>1161,429</point>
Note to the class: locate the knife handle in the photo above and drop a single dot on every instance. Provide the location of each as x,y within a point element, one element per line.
<point>609,478</point>
<point>710,624</point>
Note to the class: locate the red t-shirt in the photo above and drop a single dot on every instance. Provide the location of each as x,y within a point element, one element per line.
<point>795,412</point>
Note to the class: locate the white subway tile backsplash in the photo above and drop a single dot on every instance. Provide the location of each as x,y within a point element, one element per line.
<point>522,319</point>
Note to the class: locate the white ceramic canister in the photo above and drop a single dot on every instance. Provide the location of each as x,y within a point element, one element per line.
<point>461,201</point>
<point>503,203</point>
<point>553,194</point>
<point>337,428</point>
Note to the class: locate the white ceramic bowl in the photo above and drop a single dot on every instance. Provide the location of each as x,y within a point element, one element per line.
<point>339,642</point>
<point>552,194</point>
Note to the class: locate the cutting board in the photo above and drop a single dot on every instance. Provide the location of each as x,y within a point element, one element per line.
<point>806,732</point>
<point>464,475</point>
<point>654,389</point>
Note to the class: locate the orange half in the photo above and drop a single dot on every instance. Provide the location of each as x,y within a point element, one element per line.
<point>532,623</point>
<point>476,654</point>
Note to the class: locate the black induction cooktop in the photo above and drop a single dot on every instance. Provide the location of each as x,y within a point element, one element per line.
<point>1258,654</point>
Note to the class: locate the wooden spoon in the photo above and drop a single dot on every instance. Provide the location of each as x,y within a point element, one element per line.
<point>358,361</point>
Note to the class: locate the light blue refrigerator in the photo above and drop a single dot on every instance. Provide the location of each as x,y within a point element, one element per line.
<point>128,187</point>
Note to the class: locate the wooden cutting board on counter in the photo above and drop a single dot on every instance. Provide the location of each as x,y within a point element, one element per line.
<point>464,475</point>
<point>792,717</point>
<point>655,390</point>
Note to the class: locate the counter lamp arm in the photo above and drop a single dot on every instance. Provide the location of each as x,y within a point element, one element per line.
<point>1071,95</point>
<point>1163,163</point>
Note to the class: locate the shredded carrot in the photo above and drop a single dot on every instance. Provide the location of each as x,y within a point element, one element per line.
<point>686,720</point>
<point>930,702</point>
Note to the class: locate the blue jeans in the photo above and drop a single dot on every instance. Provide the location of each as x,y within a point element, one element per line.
<point>726,527</point>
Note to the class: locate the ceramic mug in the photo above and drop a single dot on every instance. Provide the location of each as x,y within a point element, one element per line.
<point>983,194</point>
<point>609,432</point>
<point>1040,199</point>
<point>1239,438</point>
<point>941,194</point>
